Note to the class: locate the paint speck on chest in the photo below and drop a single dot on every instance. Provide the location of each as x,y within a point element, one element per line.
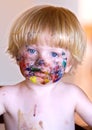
<point>35,109</point>
<point>41,124</point>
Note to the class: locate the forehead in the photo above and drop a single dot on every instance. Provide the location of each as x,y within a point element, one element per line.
<point>46,37</point>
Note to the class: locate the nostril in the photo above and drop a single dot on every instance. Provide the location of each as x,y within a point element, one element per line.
<point>40,62</point>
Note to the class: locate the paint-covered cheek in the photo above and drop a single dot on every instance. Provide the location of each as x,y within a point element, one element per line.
<point>24,64</point>
<point>58,71</point>
<point>64,63</point>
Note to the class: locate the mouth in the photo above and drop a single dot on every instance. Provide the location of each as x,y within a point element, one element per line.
<point>39,75</point>
<point>39,71</point>
<point>42,74</point>
<point>42,77</point>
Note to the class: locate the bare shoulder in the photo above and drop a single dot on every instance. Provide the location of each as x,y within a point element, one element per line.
<point>80,98</point>
<point>74,90</point>
<point>10,89</point>
<point>4,95</point>
<point>77,91</point>
<point>8,94</point>
<point>6,89</point>
<point>69,86</point>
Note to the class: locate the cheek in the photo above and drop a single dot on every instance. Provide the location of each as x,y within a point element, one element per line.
<point>58,70</point>
<point>59,62</point>
<point>25,64</point>
<point>26,59</point>
<point>63,64</point>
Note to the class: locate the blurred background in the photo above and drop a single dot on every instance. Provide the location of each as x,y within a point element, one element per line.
<point>10,10</point>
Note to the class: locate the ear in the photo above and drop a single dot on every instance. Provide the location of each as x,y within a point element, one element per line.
<point>68,68</point>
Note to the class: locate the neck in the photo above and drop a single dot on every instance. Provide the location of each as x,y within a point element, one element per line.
<point>40,88</point>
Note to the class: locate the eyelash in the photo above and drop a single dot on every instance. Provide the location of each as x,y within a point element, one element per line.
<point>32,51</point>
<point>63,55</point>
<point>54,54</point>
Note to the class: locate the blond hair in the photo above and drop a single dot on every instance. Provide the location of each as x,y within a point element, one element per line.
<point>63,26</point>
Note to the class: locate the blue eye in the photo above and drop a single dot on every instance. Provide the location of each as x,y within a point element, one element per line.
<point>54,54</point>
<point>63,53</point>
<point>32,51</point>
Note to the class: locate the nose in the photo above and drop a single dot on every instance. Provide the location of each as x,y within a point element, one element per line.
<point>43,58</point>
<point>40,62</point>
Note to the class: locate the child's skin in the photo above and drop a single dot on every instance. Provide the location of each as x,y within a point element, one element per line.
<point>42,101</point>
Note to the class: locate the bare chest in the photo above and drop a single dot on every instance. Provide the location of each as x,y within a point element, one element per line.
<point>45,114</point>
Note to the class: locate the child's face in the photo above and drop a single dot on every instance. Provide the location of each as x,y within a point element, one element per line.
<point>43,64</point>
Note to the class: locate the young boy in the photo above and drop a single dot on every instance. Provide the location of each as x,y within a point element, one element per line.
<point>46,42</point>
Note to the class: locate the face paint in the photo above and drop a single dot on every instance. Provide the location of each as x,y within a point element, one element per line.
<point>58,71</point>
<point>37,71</point>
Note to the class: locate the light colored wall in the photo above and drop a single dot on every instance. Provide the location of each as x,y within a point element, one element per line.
<point>9,10</point>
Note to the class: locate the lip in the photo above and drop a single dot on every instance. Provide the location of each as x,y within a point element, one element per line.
<point>42,74</point>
